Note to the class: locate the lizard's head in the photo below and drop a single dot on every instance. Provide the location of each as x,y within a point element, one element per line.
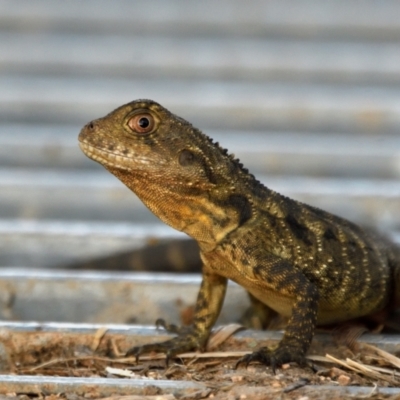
<point>146,140</point>
<point>185,178</point>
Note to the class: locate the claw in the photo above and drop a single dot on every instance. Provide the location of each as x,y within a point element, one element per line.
<point>160,323</point>
<point>168,327</point>
<point>167,359</point>
<point>273,366</point>
<point>135,352</point>
<point>238,362</point>
<point>245,359</point>
<point>273,358</point>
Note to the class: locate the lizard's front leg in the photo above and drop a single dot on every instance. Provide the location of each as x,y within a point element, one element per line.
<point>208,306</point>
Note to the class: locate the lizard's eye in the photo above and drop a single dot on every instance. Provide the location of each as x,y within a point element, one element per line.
<point>142,123</point>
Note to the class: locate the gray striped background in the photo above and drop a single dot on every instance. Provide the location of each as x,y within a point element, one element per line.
<point>306,93</point>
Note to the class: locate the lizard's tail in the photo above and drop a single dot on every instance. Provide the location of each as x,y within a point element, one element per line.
<point>393,319</point>
<point>394,262</point>
<point>179,256</point>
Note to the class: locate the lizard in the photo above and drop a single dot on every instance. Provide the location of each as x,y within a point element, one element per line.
<point>308,265</point>
<point>176,256</point>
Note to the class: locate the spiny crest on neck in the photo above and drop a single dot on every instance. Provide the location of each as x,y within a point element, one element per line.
<point>231,157</point>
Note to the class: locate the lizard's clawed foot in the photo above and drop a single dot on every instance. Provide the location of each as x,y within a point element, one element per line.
<point>171,348</point>
<point>274,358</point>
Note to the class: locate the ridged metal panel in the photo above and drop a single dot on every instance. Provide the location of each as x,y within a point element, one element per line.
<point>306,93</point>
<point>309,99</point>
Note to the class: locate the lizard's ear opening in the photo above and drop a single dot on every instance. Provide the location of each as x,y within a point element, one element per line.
<point>142,123</point>
<point>186,157</point>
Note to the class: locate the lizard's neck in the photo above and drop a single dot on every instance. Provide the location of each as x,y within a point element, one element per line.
<point>198,215</point>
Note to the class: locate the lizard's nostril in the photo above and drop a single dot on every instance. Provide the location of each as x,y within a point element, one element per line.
<point>91,125</point>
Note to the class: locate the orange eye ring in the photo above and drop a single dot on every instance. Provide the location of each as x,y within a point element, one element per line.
<point>142,123</point>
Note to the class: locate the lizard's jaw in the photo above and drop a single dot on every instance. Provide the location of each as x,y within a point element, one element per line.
<point>110,159</point>
<point>101,156</point>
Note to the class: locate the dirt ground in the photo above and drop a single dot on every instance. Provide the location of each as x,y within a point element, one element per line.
<point>99,355</point>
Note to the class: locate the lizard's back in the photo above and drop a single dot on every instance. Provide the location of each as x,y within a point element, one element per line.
<point>355,270</point>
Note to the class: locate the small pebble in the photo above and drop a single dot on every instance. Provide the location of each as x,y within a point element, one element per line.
<point>335,372</point>
<point>343,380</point>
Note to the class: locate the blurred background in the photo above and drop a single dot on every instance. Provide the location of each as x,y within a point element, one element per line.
<point>306,93</point>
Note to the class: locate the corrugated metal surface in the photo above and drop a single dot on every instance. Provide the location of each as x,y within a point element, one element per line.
<point>308,98</point>
<point>306,93</point>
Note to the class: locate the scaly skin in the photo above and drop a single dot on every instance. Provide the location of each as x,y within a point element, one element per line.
<point>179,255</point>
<point>301,262</point>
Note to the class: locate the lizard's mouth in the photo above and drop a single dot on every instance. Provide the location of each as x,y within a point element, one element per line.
<point>106,158</point>
<point>114,159</point>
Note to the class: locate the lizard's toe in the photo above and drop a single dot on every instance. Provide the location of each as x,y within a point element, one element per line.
<point>164,347</point>
<point>170,348</point>
<point>259,356</point>
<point>274,358</point>
<point>161,323</point>
<point>136,351</point>
<point>172,328</point>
